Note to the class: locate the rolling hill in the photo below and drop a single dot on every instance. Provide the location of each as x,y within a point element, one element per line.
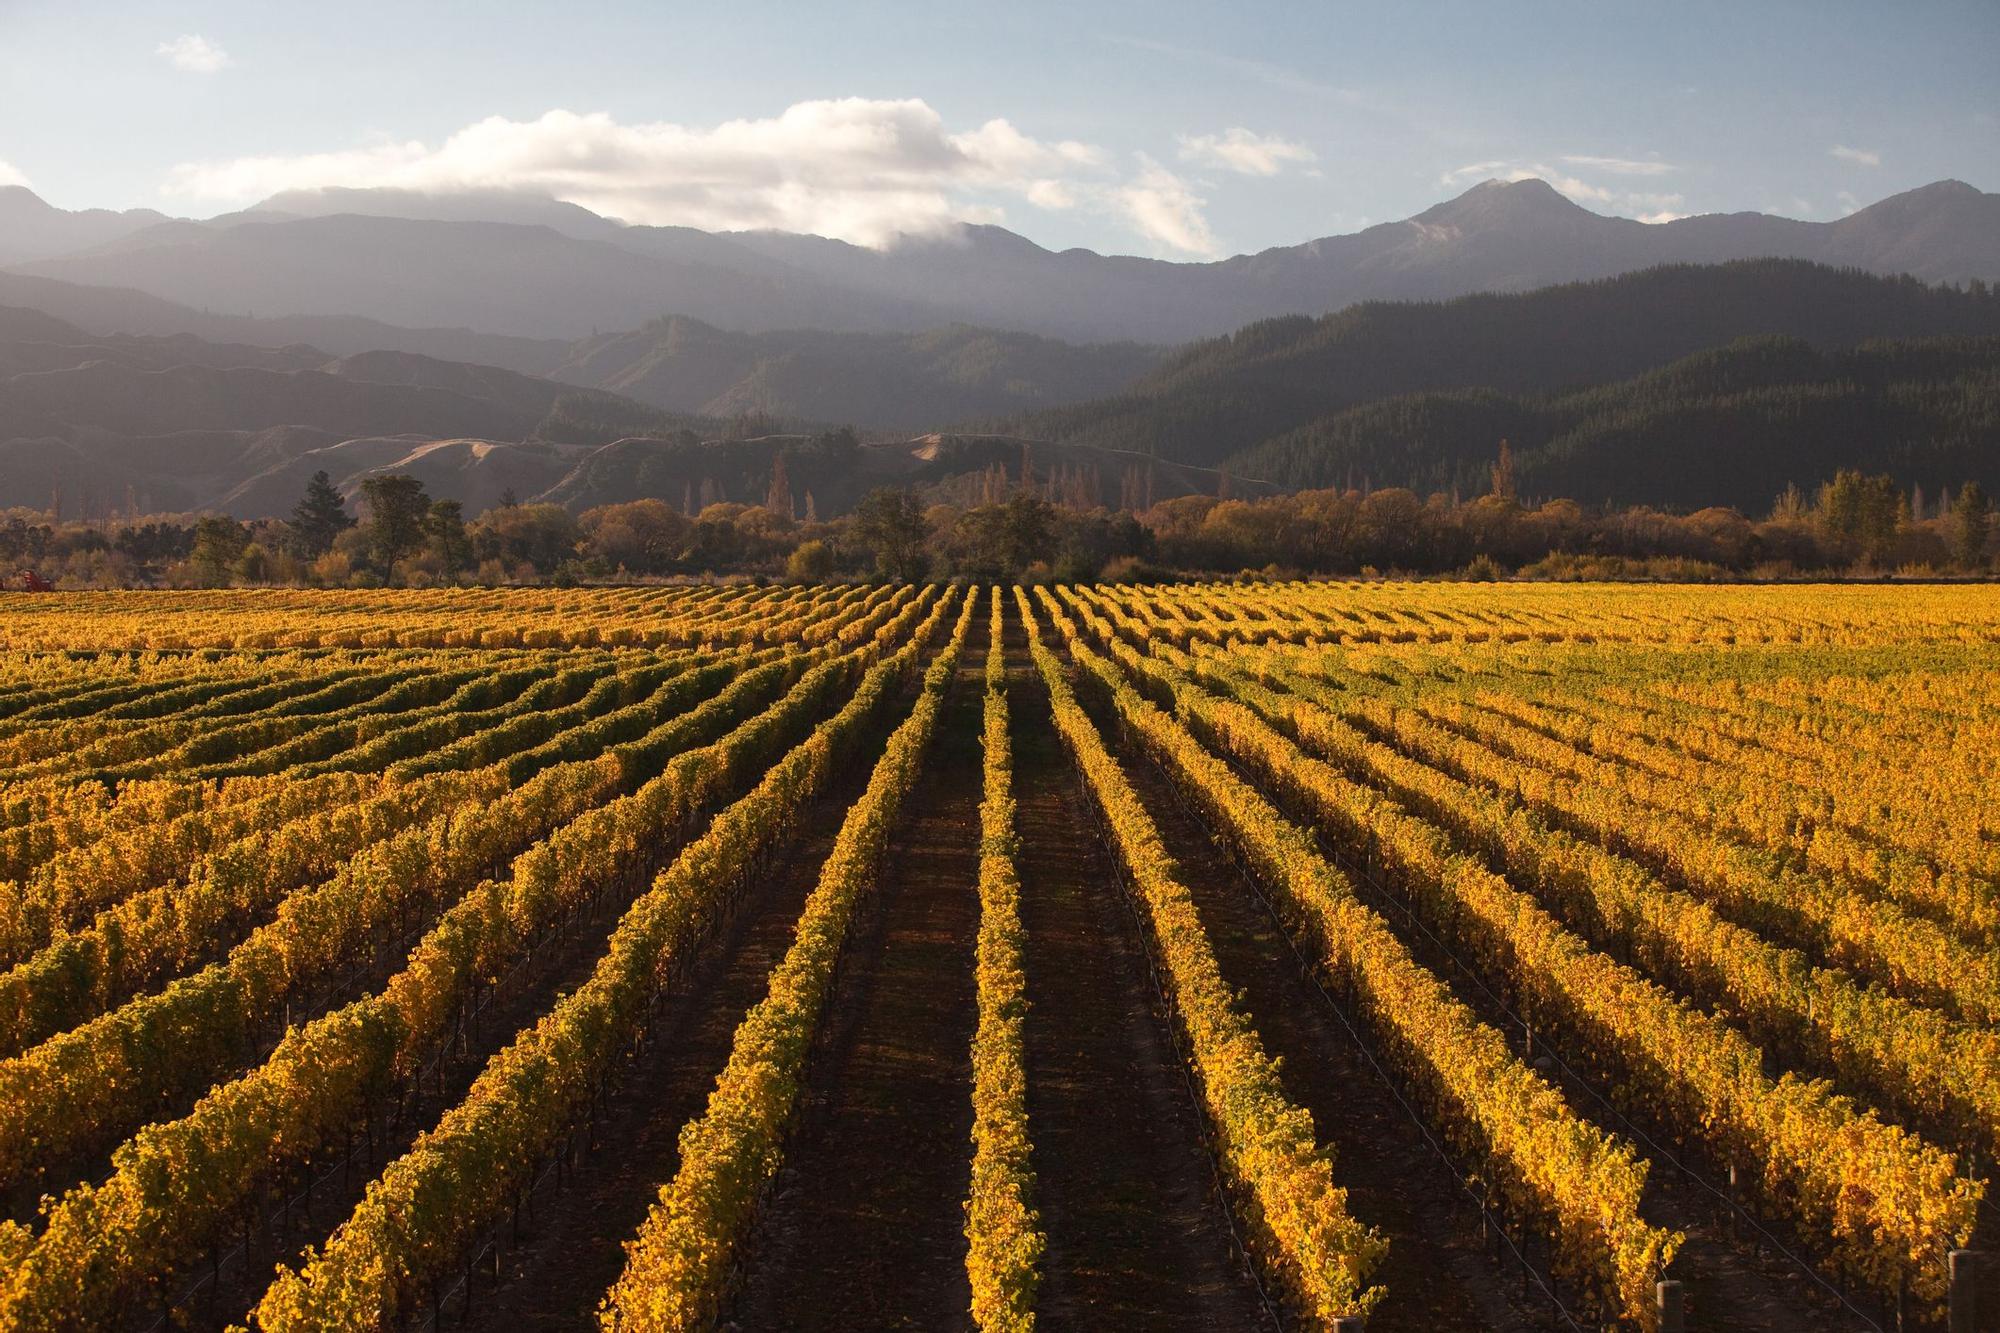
<point>125,422</point>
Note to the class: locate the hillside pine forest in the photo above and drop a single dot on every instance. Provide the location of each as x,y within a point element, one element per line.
<point>578,755</point>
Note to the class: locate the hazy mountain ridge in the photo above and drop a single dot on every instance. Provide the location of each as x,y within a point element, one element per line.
<point>522,266</point>
<point>126,310</point>
<point>95,426</point>
<point>31,228</point>
<point>166,423</point>
<point>1613,389</point>
<point>887,381</point>
<point>494,277</point>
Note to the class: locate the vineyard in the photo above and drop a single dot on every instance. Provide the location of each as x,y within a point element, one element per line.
<point>1250,955</point>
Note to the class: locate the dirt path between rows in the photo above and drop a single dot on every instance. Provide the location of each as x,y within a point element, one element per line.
<point>866,1228</point>
<point>1731,1281</point>
<point>573,1249</point>
<point>557,965</point>
<point>1137,1236</point>
<point>1437,1273</point>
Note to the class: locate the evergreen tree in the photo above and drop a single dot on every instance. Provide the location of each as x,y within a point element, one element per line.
<point>1503,473</point>
<point>218,544</point>
<point>1974,514</point>
<point>319,517</point>
<point>397,510</point>
<point>1863,514</point>
<point>445,523</point>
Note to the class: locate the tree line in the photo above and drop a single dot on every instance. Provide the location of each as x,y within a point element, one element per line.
<point>1020,529</point>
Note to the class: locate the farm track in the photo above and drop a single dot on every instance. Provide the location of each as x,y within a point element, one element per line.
<point>572,1249</point>
<point>1438,1274</point>
<point>866,1229</point>
<point>1137,1236</point>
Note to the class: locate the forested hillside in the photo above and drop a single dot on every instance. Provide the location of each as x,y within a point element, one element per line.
<point>1222,398</point>
<point>1733,426</point>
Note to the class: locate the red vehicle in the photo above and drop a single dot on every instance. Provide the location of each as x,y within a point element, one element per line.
<point>29,581</point>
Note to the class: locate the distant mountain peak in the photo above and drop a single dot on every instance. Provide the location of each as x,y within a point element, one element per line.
<point>19,199</point>
<point>33,228</point>
<point>1949,188</point>
<point>1498,203</point>
<point>1528,187</point>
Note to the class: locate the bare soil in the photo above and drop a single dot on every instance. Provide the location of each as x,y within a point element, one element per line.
<point>866,1228</point>
<point>1138,1236</point>
<point>572,1248</point>
<point>1438,1272</point>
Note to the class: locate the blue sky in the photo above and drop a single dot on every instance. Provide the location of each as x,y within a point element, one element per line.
<point>1169,129</point>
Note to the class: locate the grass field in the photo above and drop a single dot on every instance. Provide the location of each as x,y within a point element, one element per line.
<point>1451,956</point>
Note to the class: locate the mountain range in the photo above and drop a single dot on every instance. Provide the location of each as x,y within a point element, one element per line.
<point>441,336</point>
<point>1684,385</point>
<point>530,268</point>
<point>96,425</point>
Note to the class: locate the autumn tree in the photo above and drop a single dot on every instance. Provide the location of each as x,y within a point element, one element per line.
<point>809,562</point>
<point>779,499</point>
<point>891,522</point>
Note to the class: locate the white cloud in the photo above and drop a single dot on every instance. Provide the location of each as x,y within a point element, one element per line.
<point>1866,157</point>
<point>860,169</point>
<point>194,54</point>
<point>1458,175</point>
<point>1243,151</point>
<point>1639,205</point>
<point>1051,194</point>
<point>1579,190</point>
<point>1621,166</point>
<point>11,174</point>
<point>1165,209</point>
